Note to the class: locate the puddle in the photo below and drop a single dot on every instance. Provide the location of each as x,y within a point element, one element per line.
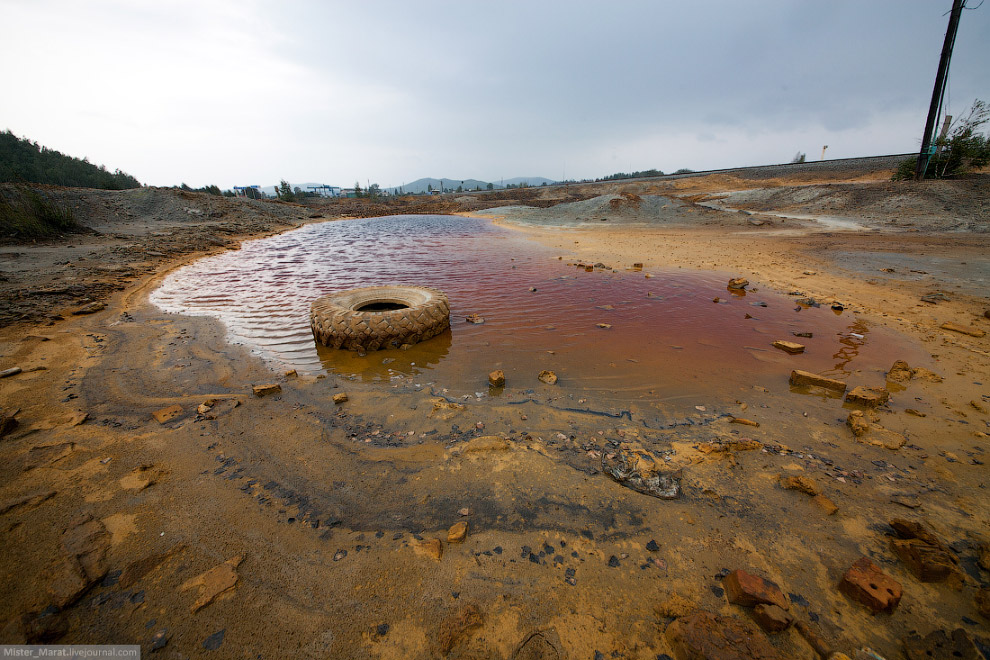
<point>667,341</point>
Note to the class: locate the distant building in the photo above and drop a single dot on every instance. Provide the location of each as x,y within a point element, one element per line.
<point>325,191</point>
<point>242,191</point>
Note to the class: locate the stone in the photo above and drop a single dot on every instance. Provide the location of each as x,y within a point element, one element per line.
<point>340,397</point>
<point>266,389</point>
<point>206,406</point>
<point>431,548</point>
<point>772,618</point>
<point>913,529</point>
<point>801,483</point>
<point>477,319</point>
<point>141,567</point>
<point>641,471</point>
<point>805,378</point>
<point>457,532</point>
<point>866,584</point>
<point>744,422</point>
<point>738,283</point>
<point>456,627</point>
<point>445,410</point>
<point>166,415</point>
<point>870,397</point>
<point>13,371</point>
<point>31,499</point>
<point>497,378</point>
<point>940,645</point>
<point>91,308</point>
<point>548,377</point>
<point>789,346</point>
<point>963,329</point>
<point>84,562</point>
<point>213,583</point>
<point>706,636</point>
<point>159,640</point>
<point>927,563</point>
<point>653,546</point>
<point>983,555</point>
<point>291,373</point>
<point>742,588</point>
<point>858,423</point>
<point>604,326</point>
<point>983,602</point>
<point>924,374</point>
<point>825,504</point>
<point>676,606</point>
<point>900,372</point>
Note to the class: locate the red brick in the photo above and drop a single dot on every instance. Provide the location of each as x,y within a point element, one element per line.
<point>747,590</point>
<point>865,583</point>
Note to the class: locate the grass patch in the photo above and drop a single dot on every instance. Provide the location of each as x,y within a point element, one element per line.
<point>28,214</point>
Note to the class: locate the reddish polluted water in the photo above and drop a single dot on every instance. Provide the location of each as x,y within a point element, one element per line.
<point>666,340</point>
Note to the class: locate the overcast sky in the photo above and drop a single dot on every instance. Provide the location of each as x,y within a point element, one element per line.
<point>250,92</point>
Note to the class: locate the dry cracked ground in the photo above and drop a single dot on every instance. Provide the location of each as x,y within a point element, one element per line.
<point>163,487</point>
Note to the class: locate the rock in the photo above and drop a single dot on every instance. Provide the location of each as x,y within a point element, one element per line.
<point>705,636</point>
<point>639,470</point>
<point>604,326</point>
<point>475,318</point>
<point>79,419</point>
<point>926,562</point>
<point>266,389</point>
<point>340,397</point>
<point>723,445</point>
<point>166,415</point>
<point>431,548</point>
<point>804,378</point>
<point>455,627</point>
<point>935,298</point>
<point>825,504</point>
<point>983,555</point>
<point>916,413</point>
<point>84,562</point>
<point>983,602</point>
<point>497,378</point>
<point>291,373</point>
<point>789,346</point>
<point>91,308</point>
<point>804,335</point>
<point>804,484</point>
<point>866,584</point>
<point>141,567</point>
<point>7,424</point>
<point>906,500</point>
<point>924,374</point>
<point>744,421</point>
<point>13,371</point>
<point>899,372</point>
<point>742,588</point>
<point>653,546</point>
<point>924,553</point>
<point>139,479</point>
<point>939,645</point>
<point>457,532</point>
<point>214,582</point>
<point>963,329</point>
<point>912,529</point>
<point>213,642</point>
<point>676,606</point>
<point>445,410</point>
<point>858,423</point>
<point>870,397</point>
<point>548,377</point>
<point>738,283</point>
<point>206,406</point>
<point>772,618</point>
<point>159,640</point>
<point>32,499</point>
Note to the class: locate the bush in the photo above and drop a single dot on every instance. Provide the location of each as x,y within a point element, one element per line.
<point>960,152</point>
<point>25,213</point>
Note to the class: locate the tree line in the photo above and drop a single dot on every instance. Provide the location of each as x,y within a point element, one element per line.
<point>24,161</point>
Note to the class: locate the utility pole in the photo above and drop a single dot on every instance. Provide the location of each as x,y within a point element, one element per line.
<point>939,92</point>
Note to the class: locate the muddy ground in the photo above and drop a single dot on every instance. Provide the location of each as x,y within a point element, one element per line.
<point>245,526</point>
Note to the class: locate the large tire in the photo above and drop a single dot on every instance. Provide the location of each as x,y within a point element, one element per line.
<point>338,323</point>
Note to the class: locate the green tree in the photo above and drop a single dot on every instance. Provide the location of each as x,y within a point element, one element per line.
<point>284,191</point>
<point>357,190</point>
<point>374,190</point>
<point>959,152</point>
<point>490,186</point>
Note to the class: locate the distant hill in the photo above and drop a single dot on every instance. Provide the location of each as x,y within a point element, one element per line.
<point>23,160</point>
<point>424,185</point>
